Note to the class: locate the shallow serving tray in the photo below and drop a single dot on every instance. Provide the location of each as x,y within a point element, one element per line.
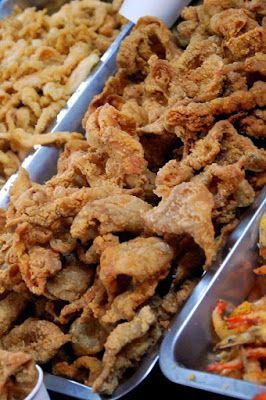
<point>41,166</point>
<point>186,349</point>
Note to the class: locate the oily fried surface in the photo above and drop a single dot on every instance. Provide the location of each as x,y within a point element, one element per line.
<point>41,339</point>
<point>18,375</point>
<point>106,251</point>
<point>44,58</point>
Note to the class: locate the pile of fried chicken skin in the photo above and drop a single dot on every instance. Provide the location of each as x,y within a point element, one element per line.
<point>96,261</point>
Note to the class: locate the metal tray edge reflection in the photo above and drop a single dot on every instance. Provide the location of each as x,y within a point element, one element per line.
<point>246,235</point>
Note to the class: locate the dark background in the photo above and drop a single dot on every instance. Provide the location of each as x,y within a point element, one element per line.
<point>156,386</point>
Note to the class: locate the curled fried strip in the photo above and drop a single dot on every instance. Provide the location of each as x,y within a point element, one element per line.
<point>122,335</point>
<point>39,338</point>
<point>187,210</point>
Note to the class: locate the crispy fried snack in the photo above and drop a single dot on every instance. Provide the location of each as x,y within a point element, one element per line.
<point>18,375</point>
<point>111,246</point>
<point>44,58</point>
<point>41,339</point>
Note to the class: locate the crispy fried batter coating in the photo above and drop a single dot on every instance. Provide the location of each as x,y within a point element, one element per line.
<point>119,213</point>
<point>41,339</point>
<point>70,283</point>
<point>172,149</point>
<point>122,335</point>
<point>18,375</point>
<point>44,58</point>
<point>138,265</point>
<point>11,307</point>
<point>87,338</point>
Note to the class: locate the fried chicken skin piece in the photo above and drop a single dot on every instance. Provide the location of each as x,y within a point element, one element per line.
<point>70,283</point>
<point>254,125</point>
<point>130,273</point>
<point>93,253</point>
<point>115,134</point>
<point>87,337</point>
<point>187,210</point>
<point>37,265</point>
<point>39,338</point>
<point>121,336</point>
<point>18,375</point>
<point>113,214</point>
<point>203,153</point>
<point>149,37</point>
<point>11,307</point>
<point>197,117</point>
<point>232,22</point>
<point>84,369</point>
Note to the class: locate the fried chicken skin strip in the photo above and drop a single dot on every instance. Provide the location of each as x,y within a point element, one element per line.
<point>137,265</point>
<point>187,210</point>
<point>87,337</point>
<point>39,338</point>
<point>115,133</point>
<point>70,283</point>
<point>85,369</point>
<point>113,214</point>
<point>37,266</point>
<point>149,37</point>
<point>196,117</point>
<point>203,153</point>
<point>122,335</point>
<point>11,307</point>
<point>18,375</point>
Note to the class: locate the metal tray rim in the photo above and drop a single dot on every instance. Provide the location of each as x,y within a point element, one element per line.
<point>173,370</point>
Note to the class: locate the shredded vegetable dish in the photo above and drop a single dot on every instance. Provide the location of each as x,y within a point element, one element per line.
<point>242,333</point>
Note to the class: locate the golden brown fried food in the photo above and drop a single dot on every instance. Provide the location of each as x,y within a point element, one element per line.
<point>11,307</point>
<point>18,375</point>
<point>37,266</point>
<point>115,134</point>
<point>187,210</point>
<point>85,369</point>
<point>138,266</point>
<point>181,124</point>
<point>122,335</point>
<point>70,283</point>
<point>44,58</point>
<point>148,37</point>
<point>41,339</point>
<point>119,213</point>
<point>87,338</point>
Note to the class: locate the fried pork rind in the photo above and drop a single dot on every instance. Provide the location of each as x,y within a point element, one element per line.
<point>70,283</point>
<point>121,336</point>
<point>187,210</point>
<point>138,265</point>
<point>11,306</point>
<point>171,151</point>
<point>44,58</point>
<point>87,338</point>
<point>18,375</point>
<point>119,213</point>
<point>39,338</point>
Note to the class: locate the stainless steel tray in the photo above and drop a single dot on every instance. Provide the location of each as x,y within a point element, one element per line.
<point>42,164</point>
<point>184,350</point>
